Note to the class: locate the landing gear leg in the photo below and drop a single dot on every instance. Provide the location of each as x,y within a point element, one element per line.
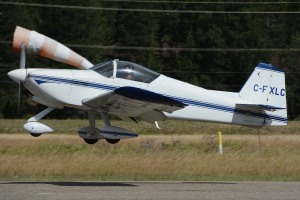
<point>40,115</point>
<point>92,132</point>
<point>107,123</point>
<point>105,119</point>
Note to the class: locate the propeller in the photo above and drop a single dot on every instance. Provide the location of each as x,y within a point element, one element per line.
<point>22,66</point>
<point>36,43</point>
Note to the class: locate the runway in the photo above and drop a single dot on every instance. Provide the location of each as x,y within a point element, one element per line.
<point>149,190</point>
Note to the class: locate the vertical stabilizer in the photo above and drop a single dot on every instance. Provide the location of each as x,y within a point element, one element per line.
<point>266,89</point>
<point>266,86</point>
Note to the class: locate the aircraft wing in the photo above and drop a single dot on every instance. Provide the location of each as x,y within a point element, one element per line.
<point>134,103</point>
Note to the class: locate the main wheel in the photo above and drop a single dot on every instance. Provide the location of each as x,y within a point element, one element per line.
<point>90,141</point>
<point>112,141</point>
<point>35,135</point>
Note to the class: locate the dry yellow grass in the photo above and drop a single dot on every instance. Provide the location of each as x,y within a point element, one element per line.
<point>151,157</point>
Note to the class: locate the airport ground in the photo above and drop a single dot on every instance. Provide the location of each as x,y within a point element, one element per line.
<point>181,161</point>
<point>171,190</point>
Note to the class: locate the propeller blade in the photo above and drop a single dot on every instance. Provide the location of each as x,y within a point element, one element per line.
<point>22,66</point>
<point>19,97</point>
<point>22,57</point>
<point>44,46</point>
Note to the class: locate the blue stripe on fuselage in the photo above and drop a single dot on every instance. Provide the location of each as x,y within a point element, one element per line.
<point>229,109</point>
<point>47,79</point>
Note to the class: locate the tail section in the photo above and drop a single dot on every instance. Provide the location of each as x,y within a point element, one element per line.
<point>265,91</point>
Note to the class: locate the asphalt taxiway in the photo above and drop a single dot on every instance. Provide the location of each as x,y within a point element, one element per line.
<point>149,190</point>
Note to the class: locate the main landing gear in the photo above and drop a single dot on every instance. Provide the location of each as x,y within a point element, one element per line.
<point>91,134</point>
<point>111,134</point>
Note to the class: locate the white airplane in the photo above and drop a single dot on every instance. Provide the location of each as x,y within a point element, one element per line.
<point>131,91</point>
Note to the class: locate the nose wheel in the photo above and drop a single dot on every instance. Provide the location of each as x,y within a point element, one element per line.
<point>35,135</point>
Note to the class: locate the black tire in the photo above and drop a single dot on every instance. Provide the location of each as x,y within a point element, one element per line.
<point>91,141</point>
<point>35,135</point>
<point>112,141</point>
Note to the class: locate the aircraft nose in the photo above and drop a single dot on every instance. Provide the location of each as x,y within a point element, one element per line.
<point>18,75</point>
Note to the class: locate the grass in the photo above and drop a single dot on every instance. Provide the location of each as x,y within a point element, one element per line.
<point>180,151</point>
<point>150,157</point>
<point>168,127</point>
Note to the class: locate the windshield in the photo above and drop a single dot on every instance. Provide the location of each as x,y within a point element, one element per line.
<point>105,69</point>
<point>126,70</point>
<point>135,72</point>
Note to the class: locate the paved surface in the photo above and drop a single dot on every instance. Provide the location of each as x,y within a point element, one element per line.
<point>149,190</point>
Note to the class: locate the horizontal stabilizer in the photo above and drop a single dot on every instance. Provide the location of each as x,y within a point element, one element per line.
<point>258,107</point>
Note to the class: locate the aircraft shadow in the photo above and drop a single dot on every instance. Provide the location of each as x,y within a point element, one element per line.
<point>115,184</point>
<point>79,184</point>
<point>209,183</point>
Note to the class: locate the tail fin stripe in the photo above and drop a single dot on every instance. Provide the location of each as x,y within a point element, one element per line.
<point>269,67</point>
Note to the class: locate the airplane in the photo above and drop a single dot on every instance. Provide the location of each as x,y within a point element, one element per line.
<point>134,92</point>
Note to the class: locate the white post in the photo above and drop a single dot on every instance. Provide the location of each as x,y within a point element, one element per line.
<point>220,143</point>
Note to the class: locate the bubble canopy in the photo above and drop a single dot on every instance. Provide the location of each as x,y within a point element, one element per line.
<point>125,70</point>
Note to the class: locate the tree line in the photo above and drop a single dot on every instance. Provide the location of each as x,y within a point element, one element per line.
<point>206,44</point>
